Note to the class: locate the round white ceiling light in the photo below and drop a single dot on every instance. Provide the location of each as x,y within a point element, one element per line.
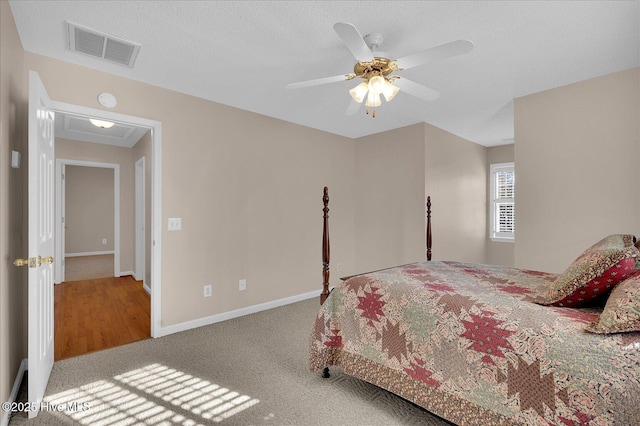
<point>101,123</point>
<point>107,100</point>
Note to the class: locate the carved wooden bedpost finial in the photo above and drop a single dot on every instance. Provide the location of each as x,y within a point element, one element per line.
<point>325,247</point>
<point>429,228</point>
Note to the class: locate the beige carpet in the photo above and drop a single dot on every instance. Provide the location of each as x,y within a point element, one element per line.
<point>78,268</point>
<point>246,371</point>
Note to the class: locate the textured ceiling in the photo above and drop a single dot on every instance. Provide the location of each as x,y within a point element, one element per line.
<point>243,53</point>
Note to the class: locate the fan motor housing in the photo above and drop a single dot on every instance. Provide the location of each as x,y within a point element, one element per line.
<point>379,66</point>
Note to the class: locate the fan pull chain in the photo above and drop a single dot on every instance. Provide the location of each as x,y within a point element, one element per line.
<point>373,112</point>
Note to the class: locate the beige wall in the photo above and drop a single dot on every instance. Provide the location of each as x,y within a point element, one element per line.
<point>247,187</point>
<point>499,253</point>
<point>89,209</point>
<point>13,133</point>
<point>395,172</point>
<point>576,154</point>
<point>390,210</point>
<point>125,158</point>
<point>455,178</point>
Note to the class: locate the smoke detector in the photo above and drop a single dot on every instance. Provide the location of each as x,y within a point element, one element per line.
<point>99,45</point>
<point>107,100</point>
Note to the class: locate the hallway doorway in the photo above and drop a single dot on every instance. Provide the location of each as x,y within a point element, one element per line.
<point>69,114</point>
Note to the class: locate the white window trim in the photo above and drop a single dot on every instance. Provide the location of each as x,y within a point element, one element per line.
<point>507,237</point>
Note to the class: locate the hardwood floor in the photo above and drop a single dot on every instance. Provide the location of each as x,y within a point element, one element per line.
<point>101,313</point>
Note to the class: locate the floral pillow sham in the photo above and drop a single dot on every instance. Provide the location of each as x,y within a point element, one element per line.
<point>622,311</point>
<point>594,273</point>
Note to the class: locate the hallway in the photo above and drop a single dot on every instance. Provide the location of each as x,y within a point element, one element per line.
<point>96,314</point>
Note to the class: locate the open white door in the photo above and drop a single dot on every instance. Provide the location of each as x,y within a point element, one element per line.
<point>41,241</point>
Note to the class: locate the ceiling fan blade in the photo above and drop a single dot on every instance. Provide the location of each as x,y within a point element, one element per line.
<point>354,41</point>
<point>353,107</point>
<point>415,89</point>
<point>317,82</point>
<point>435,53</point>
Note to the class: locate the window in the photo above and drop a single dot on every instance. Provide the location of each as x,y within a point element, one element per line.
<point>503,180</point>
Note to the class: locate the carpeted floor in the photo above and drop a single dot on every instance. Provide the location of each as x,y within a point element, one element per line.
<point>246,371</point>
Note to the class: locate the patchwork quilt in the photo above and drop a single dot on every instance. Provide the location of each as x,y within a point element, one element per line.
<point>468,343</point>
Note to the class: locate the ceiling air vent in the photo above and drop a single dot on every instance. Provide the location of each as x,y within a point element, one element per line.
<point>100,45</point>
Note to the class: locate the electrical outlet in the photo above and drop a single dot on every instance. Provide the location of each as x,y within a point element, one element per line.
<point>242,285</point>
<point>174,224</point>
<point>104,241</point>
<point>207,290</point>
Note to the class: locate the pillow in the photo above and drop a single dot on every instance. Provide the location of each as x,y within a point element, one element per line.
<point>622,311</point>
<point>600,285</point>
<point>594,272</point>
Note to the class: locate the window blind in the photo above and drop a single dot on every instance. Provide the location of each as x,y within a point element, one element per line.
<point>503,201</point>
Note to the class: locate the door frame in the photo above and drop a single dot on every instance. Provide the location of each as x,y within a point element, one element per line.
<point>139,268</point>
<point>156,195</point>
<point>60,183</point>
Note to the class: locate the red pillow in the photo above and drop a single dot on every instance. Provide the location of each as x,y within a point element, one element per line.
<point>602,284</point>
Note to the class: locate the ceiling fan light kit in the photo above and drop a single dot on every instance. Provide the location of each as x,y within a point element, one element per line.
<point>373,100</point>
<point>390,91</point>
<point>359,92</point>
<point>375,69</point>
<point>376,82</point>
<point>373,87</point>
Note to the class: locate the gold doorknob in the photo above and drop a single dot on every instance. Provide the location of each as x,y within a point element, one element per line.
<point>21,262</point>
<point>31,262</point>
<point>48,260</point>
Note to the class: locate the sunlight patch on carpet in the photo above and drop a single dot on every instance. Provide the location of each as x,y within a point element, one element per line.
<point>146,394</point>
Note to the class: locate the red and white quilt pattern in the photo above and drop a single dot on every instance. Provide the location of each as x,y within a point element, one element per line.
<point>466,342</point>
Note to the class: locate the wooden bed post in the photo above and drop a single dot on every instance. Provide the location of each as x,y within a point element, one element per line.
<point>325,247</point>
<point>325,258</point>
<point>429,228</point>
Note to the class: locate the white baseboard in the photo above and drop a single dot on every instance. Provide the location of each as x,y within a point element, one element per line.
<point>145,286</point>
<point>188,325</point>
<point>125,273</point>
<point>14,391</point>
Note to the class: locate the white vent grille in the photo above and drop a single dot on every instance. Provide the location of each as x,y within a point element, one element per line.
<point>99,45</point>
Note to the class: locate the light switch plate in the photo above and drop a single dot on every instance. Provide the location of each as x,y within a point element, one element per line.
<point>175,224</point>
<point>15,159</point>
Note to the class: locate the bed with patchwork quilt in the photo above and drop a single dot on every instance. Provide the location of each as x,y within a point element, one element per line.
<point>493,345</point>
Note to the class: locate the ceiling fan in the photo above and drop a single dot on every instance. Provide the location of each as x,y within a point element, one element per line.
<point>376,69</point>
